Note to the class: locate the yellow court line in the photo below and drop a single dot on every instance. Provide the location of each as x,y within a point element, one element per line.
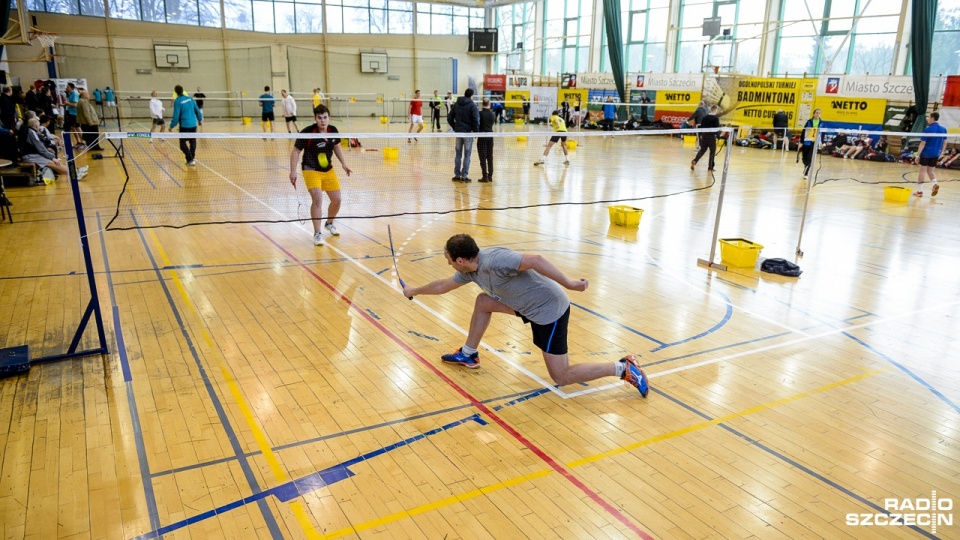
<point>590,459</point>
<point>262,442</point>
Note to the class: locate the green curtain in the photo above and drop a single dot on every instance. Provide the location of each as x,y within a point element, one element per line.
<point>924,14</point>
<point>611,20</point>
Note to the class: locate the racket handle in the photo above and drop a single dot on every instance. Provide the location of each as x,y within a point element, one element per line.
<point>403,286</point>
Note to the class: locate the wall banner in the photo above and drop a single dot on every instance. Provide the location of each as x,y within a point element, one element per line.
<point>888,87</point>
<point>758,99</point>
<point>854,113</point>
<point>543,101</point>
<point>514,99</point>
<point>687,82</point>
<point>596,81</point>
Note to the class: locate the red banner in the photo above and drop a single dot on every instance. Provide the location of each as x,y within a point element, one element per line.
<point>495,83</point>
<point>951,95</point>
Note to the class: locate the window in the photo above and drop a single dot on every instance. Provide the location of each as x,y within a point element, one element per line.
<point>826,43</point>
<point>567,28</point>
<point>516,24</point>
<point>946,39</point>
<point>439,19</point>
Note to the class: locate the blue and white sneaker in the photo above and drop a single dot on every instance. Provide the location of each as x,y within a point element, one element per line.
<point>634,375</point>
<point>459,359</point>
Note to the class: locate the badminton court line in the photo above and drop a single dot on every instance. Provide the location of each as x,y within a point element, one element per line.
<point>789,343</point>
<point>543,383</point>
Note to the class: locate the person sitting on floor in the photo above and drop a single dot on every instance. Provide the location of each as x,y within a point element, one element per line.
<point>947,157</point>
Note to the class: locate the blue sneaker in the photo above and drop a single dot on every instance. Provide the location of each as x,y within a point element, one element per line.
<point>459,359</point>
<point>634,375</point>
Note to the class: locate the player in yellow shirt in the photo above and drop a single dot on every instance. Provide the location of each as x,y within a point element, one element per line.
<point>559,126</point>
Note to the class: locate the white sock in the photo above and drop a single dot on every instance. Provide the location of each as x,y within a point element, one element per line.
<point>621,366</point>
<point>468,351</point>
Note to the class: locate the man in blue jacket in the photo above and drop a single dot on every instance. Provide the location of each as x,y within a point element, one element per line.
<point>466,119</point>
<point>928,153</point>
<point>188,116</point>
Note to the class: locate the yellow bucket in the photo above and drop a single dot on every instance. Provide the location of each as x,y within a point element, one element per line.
<point>689,141</point>
<point>521,137</point>
<point>571,145</point>
<point>518,121</point>
<point>739,252</point>
<point>625,216</point>
<point>245,120</point>
<point>391,153</point>
<point>896,193</point>
<point>384,119</point>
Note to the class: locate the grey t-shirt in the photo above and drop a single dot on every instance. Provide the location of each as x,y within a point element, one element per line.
<point>538,298</point>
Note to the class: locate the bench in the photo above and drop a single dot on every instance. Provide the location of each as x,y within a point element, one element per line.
<point>21,174</point>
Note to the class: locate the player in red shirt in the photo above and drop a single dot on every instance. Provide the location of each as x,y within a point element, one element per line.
<point>416,114</point>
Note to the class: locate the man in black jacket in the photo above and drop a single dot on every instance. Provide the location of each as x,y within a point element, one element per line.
<point>466,119</point>
<point>708,139</point>
<point>485,144</point>
<point>780,125</point>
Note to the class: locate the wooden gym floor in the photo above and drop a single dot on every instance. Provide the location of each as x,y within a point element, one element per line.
<point>258,386</point>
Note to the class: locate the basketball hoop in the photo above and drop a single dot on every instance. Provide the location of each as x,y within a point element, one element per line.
<point>47,41</point>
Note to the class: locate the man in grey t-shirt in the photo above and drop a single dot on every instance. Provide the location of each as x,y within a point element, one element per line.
<point>528,286</point>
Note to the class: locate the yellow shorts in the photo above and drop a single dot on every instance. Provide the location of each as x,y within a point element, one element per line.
<point>326,181</point>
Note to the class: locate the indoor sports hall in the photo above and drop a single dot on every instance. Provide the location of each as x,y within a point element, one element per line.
<point>182,358</point>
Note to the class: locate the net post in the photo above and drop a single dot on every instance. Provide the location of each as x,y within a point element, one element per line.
<point>709,263</point>
<point>93,307</point>
<point>810,180</point>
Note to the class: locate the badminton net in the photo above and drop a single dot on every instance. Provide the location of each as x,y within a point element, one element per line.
<point>245,178</point>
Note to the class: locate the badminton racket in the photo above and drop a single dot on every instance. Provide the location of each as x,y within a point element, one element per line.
<point>396,269</point>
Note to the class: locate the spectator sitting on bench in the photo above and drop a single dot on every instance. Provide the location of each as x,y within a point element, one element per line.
<point>34,151</point>
<point>52,141</point>
<point>632,123</point>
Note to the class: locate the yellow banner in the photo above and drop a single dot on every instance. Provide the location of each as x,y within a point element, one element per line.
<point>575,97</point>
<point>514,98</point>
<point>808,95</point>
<point>758,99</point>
<point>853,111</point>
<point>689,99</point>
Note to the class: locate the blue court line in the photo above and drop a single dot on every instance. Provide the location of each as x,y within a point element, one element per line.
<point>307,484</point>
<point>790,461</point>
<point>162,168</point>
<point>906,370</point>
<point>268,517</point>
<point>714,328</point>
<point>148,495</point>
<point>621,325</point>
<point>139,168</point>
<point>342,433</point>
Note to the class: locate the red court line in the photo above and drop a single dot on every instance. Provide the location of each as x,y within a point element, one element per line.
<point>474,401</point>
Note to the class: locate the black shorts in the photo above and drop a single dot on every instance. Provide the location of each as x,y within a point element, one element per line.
<point>780,132</point>
<point>69,120</point>
<point>266,117</point>
<point>158,121</point>
<point>550,338</point>
<point>558,138</point>
<point>290,118</point>
<point>928,161</point>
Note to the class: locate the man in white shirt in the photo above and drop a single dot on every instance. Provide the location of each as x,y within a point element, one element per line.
<point>289,111</point>
<point>156,113</point>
